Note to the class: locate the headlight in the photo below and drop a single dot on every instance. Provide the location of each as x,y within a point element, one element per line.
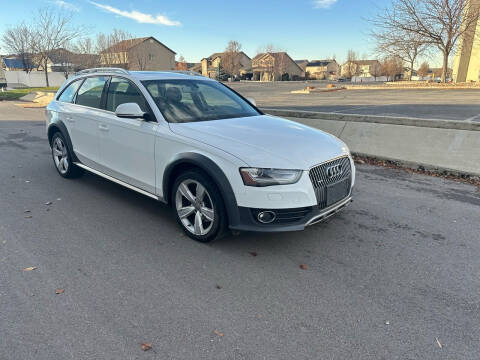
<point>268,177</point>
<point>345,149</point>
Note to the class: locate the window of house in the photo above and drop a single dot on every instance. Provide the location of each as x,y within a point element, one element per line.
<point>69,93</point>
<point>90,93</point>
<point>122,91</point>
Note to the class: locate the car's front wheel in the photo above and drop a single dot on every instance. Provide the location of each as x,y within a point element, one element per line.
<point>199,206</point>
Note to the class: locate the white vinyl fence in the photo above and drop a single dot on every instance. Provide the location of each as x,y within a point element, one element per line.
<point>33,79</point>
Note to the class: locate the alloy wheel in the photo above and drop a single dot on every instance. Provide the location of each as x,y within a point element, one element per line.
<point>194,207</point>
<point>60,155</point>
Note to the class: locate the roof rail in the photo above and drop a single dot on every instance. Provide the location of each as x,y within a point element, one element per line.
<point>103,70</point>
<point>186,72</point>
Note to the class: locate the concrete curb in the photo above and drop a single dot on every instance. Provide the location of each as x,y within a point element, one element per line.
<point>441,145</point>
<point>406,121</point>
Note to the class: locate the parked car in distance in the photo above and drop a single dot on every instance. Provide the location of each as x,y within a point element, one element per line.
<point>196,144</point>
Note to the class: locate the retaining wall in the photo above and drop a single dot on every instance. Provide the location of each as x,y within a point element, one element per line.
<point>434,144</point>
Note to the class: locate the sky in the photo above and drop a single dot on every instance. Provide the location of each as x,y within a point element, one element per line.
<point>306,29</point>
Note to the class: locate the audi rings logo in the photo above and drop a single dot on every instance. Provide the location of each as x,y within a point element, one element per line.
<point>335,170</point>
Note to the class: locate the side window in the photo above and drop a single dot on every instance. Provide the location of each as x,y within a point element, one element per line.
<point>90,93</point>
<point>122,91</point>
<point>68,94</point>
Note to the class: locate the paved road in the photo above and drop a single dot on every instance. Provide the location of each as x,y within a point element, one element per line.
<point>396,270</point>
<point>420,103</point>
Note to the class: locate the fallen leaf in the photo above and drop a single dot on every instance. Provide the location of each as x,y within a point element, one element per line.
<point>28,217</point>
<point>438,343</point>
<point>59,291</point>
<point>253,253</point>
<point>216,332</point>
<point>30,268</point>
<point>303,267</point>
<point>146,346</point>
<point>218,286</point>
<point>48,203</point>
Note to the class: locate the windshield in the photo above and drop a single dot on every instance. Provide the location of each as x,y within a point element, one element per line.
<point>197,100</point>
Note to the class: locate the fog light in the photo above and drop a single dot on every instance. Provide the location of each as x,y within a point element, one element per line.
<point>266,217</point>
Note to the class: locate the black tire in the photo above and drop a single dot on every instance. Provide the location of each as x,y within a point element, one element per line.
<point>211,200</point>
<point>68,170</point>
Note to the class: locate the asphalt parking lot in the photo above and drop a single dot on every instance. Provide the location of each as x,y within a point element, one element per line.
<point>394,276</point>
<point>456,104</point>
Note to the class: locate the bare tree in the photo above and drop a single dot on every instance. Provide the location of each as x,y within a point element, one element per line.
<point>376,70</point>
<point>392,67</point>
<point>423,70</point>
<point>351,67</point>
<point>86,56</point>
<point>138,58</point>
<point>406,45</point>
<point>439,22</point>
<point>17,40</point>
<point>113,48</point>
<point>51,30</point>
<point>231,58</point>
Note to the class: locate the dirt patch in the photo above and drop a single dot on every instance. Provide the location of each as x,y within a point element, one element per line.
<point>466,179</point>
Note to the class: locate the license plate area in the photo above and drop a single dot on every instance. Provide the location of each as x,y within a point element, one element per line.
<point>337,191</point>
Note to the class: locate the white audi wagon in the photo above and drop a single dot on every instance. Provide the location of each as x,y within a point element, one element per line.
<point>196,144</point>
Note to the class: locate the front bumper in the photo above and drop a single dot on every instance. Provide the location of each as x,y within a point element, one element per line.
<point>310,216</point>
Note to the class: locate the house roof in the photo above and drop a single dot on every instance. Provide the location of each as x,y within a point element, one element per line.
<point>15,63</point>
<point>130,43</point>
<point>365,62</point>
<point>220,54</point>
<point>277,56</point>
<point>320,62</point>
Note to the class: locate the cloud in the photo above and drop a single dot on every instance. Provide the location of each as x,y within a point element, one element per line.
<point>66,5</point>
<point>138,16</point>
<point>324,4</point>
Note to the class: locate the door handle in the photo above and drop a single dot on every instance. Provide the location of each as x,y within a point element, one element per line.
<point>103,127</point>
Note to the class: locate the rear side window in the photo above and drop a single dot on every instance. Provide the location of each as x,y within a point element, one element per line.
<point>69,93</point>
<point>90,93</point>
<point>122,91</point>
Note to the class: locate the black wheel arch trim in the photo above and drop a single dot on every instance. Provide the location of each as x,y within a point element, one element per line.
<point>216,174</point>
<point>60,126</point>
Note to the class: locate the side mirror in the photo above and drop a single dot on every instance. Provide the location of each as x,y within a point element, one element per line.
<point>129,110</point>
<point>252,101</point>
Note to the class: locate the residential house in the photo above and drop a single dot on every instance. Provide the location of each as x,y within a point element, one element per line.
<point>145,53</point>
<point>67,61</point>
<point>211,65</point>
<point>302,64</point>
<point>274,66</point>
<point>323,69</point>
<point>362,69</point>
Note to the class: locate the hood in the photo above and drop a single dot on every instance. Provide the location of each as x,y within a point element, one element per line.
<point>265,141</point>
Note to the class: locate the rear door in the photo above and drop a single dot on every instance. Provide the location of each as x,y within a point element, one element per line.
<point>86,119</point>
<point>127,145</point>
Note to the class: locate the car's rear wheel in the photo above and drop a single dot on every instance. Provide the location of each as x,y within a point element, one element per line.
<point>62,157</point>
<point>199,206</point>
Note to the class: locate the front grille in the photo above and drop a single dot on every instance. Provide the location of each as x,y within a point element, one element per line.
<point>321,180</point>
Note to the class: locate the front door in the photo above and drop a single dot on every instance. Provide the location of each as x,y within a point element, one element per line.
<point>127,145</point>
